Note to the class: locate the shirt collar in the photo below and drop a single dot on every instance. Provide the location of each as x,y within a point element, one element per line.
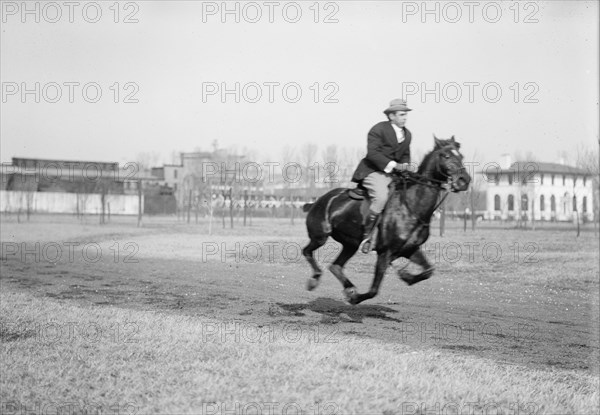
<point>397,129</point>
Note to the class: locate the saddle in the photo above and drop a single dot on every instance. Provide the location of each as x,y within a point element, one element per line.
<point>358,193</point>
<point>361,193</point>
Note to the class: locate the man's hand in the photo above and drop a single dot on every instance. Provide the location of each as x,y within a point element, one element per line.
<point>402,167</point>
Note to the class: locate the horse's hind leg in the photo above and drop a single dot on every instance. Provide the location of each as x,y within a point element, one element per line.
<point>313,245</point>
<point>337,266</point>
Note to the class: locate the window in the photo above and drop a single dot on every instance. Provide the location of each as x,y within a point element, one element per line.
<point>552,179</point>
<point>552,204</point>
<point>574,180</point>
<point>564,178</point>
<point>510,178</point>
<point>584,204</point>
<point>541,179</point>
<point>574,203</point>
<point>584,180</point>
<point>524,203</point>
<point>511,202</point>
<point>542,204</point>
<point>497,202</point>
<point>175,173</point>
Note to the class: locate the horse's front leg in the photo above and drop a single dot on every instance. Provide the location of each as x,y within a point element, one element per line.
<point>418,258</point>
<point>383,262</point>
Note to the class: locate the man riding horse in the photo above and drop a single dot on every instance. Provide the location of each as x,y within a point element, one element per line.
<point>409,207</point>
<point>388,149</point>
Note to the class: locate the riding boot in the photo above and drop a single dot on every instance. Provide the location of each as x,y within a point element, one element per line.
<point>367,245</point>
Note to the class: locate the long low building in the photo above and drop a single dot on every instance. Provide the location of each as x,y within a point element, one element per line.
<point>539,190</point>
<point>78,186</point>
<point>70,176</point>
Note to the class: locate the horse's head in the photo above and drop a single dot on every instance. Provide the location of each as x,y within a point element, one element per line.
<point>449,165</point>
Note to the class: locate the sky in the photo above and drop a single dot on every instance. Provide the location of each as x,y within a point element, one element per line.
<point>160,77</point>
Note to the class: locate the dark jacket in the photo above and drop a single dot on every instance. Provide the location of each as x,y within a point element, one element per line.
<point>383,147</point>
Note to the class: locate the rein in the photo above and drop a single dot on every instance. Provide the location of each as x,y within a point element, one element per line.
<point>429,182</point>
<point>439,184</point>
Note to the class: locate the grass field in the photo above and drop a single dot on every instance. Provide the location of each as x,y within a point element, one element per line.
<point>168,319</point>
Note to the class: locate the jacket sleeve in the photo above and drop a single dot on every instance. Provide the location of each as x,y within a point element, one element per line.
<point>375,148</point>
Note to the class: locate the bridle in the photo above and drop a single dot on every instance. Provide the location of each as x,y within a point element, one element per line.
<point>445,186</point>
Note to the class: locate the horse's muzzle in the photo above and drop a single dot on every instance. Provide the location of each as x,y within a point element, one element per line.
<point>461,183</point>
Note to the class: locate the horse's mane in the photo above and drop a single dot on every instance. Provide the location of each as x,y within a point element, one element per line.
<point>401,182</point>
<point>426,161</point>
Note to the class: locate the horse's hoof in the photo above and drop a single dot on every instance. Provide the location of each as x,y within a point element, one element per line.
<point>408,282</point>
<point>426,274</point>
<point>413,279</point>
<point>350,294</point>
<point>312,283</point>
<point>406,277</point>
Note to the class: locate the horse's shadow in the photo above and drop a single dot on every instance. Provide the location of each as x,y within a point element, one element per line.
<point>334,311</point>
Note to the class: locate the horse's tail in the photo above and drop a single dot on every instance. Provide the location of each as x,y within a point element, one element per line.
<point>307,207</point>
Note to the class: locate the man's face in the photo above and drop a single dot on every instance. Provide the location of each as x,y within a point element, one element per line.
<point>398,118</point>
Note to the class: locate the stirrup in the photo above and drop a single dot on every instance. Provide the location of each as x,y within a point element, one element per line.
<point>366,246</point>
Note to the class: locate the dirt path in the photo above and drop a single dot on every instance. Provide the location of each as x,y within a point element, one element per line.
<point>493,316</point>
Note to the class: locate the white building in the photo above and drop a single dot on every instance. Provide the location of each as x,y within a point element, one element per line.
<point>549,191</point>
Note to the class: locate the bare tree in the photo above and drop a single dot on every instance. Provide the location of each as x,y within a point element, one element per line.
<point>530,156</point>
<point>475,192</point>
<point>175,157</point>
<point>588,160</point>
<point>310,173</point>
<point>564,156</point>
<point>105,186</point>
<point>147,160</point>
<point>331,166</point>
<point>186,195</point>
<point>82,198</point>
<point>518,156</point>
<point>208,199</point>
<point>251,154</point>
<point>287,156</point>
<point>348,160</point>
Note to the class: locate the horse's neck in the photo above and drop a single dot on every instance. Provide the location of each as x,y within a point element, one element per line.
<point>425,204</point>
<point>428,169</point>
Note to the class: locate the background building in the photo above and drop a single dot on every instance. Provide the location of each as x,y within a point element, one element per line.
<point>70,176</point>
<point>544,191</point>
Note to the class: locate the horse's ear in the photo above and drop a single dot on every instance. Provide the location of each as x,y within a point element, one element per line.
<point>452,139</point>
<point>437,142</point>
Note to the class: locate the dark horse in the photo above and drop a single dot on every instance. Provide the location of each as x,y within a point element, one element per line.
<point>403,227</point>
